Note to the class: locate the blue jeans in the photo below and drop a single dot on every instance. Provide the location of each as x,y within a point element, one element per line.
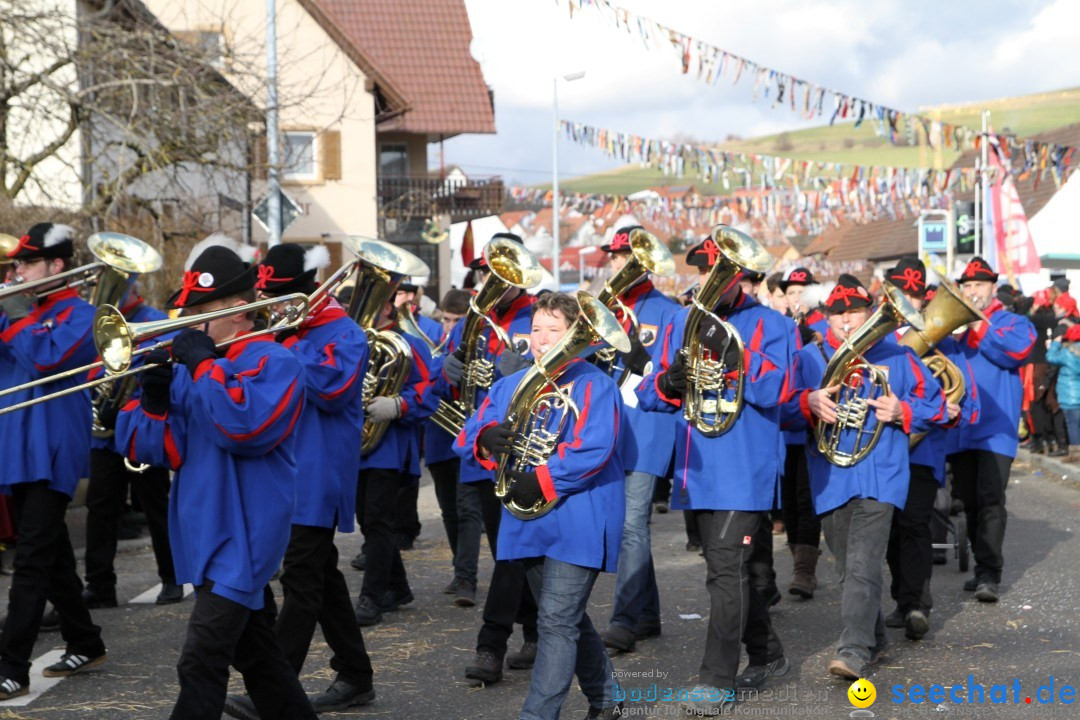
<point>1072,424</point>
<point>568,644</point>
<point>636,595</point>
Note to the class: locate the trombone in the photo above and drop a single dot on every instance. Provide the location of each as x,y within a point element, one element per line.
<point>116,339</point>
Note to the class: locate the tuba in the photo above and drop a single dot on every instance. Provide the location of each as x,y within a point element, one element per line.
<point>539,409</point>
<point>860,381</point>
<point>712,403</point>
<point>511,265</point>
<point>381,267</point>
<point>942,315</point>
<point>648,255</point>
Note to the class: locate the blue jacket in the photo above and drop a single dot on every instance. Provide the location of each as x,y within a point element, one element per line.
<point>399,448</point>
<point>228,434</point>
<point>884,475</point>
<point>138,312</point>
<point>48,441</point>
<point>517,322</point>
<point>1068,379</point>
<point>648,438</point>
<point>584,472</point>
<point>334,352</point>
<point>996,354</point>
<point>737,470</point>
<point>934,447</point>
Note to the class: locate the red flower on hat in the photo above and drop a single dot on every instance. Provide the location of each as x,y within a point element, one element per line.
<point>842,292</point>
<point>24,244</point>
<point>266,275</point>
<point>620,240</point>
<point>189,285</point>
<point>711,249</point>
<point>911,278</point>
<point>797,276</point>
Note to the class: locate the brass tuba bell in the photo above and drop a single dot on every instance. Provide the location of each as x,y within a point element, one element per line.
<point>859,381</point>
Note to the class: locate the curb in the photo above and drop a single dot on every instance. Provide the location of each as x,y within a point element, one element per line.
<point>1051,466</point>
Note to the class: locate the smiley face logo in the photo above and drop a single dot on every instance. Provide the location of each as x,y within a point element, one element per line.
<point>862,693</point>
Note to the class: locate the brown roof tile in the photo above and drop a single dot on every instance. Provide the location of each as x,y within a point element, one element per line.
<point>422,48</point>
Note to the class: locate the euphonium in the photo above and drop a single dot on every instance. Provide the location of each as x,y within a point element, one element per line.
<point>511,265</point>
<point>942,316</point>
<point>539,409</point>
<point>648,255</point>
<point>859,380</point>
<point>711,403</point>
<point>381,267</point>
<point>408,323</point>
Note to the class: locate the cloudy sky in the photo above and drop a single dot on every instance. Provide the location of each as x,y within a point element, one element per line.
<point>901,53</point>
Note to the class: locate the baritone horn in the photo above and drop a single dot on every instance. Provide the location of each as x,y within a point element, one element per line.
<point>539,409</point>
<point>859,381</point>
<point>712,403</point>
<point>946,312</point>
<point>648,255</point>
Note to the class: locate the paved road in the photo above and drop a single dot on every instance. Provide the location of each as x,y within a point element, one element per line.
<point>419,653</point>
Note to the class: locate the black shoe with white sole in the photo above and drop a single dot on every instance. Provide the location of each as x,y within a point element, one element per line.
<point>12,688</point>
<point>71,664</point>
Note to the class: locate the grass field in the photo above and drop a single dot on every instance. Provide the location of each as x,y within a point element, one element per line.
<point>842,143</point>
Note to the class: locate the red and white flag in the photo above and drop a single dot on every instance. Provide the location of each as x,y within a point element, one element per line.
<point>1015,247</point>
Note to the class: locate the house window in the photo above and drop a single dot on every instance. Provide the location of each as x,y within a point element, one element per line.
<point>393,161</point>
<point>299,154</point>
<point>212,47</point>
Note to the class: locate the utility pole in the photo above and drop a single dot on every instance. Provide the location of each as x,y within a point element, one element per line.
<point>273,149</point>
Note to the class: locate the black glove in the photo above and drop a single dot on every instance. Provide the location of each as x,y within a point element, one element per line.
<point>525,490</point>
<point>191,347</point>
<point>17,306</point>
<point>807,334</point>
<point>715,337</point>
<point>107,416</point>
<point>498,439</point>
<point>454,366</point>
<point>510,362</point>
<point>156,382</point>
<point>672,383</point>
<point>638,357</point>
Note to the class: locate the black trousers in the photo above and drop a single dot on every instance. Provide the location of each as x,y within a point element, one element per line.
<point>220,633</point>
<point>406,517</point>
<point>910,553</point>
<point>44,570</point>
<point>105,497</point>
<point>509,600</point>
<point>736,611</point>
<point>981,477</point>
<point>1048,425</point>
<point>315,592</point>
<point>762,574</point>
<point>444,476</point>
<point>376,498</point>
<point>800,520</point>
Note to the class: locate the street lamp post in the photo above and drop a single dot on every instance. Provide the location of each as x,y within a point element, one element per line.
<point>588,250</point>
<point>555,172</point>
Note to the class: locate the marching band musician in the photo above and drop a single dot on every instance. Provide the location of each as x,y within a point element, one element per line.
<point>223,421</point>
<point>107,491</point>
<point>509,599</point>
<point>646,447</point>
<point>392,464</point>
<point>728,507</point>
<point>857,502</point>
<point>334,353</point>
<point>808,315</point>
<point>996,350</point>
<point>910,553</point>
<point>45,449</point>
<point>564,550</point>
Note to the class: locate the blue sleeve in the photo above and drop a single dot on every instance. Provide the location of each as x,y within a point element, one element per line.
<point>1058,354</point>
<point>442,387</point>
<point>768,360</point>
<point>489,413</point>
<point>155,439</point>
<point>648,391</point>
<point>333,371</point>
<point>46,349</point>
<point>418,395</point>
<point>923,404</point>
<point>1008,342</point>
<point>806,377</point>
<point>252,410</point>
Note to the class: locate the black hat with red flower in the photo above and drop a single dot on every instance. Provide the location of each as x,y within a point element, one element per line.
<point>45,240</point>
<point>797,276</point>
<point>704,254</point>
<point>848,294</point>
<point>909,276</point>
<point>289,267</point>
<point>217,267</point>
<point>978,269</point>
<point>620,241</point>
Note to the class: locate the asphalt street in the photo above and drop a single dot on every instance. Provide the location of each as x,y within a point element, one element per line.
<point>1031,636</point>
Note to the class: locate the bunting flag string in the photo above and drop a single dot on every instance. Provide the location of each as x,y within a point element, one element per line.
<point>808,99</point>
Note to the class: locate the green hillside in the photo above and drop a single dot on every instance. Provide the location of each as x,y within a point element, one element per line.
<point>1025,115</point>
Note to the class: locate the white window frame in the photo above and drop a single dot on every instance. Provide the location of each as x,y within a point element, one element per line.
<point>316,170</point>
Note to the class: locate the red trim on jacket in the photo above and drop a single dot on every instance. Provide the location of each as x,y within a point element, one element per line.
<point>547,485</point>
<point>282,404</point>
<point>905,409</point>
<point>579,425</point>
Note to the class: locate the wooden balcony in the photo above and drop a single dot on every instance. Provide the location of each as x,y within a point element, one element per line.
<point>410,197</point>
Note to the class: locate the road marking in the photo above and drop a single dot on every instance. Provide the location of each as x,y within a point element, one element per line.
<point>148,597</point>
<point>39,684</point>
